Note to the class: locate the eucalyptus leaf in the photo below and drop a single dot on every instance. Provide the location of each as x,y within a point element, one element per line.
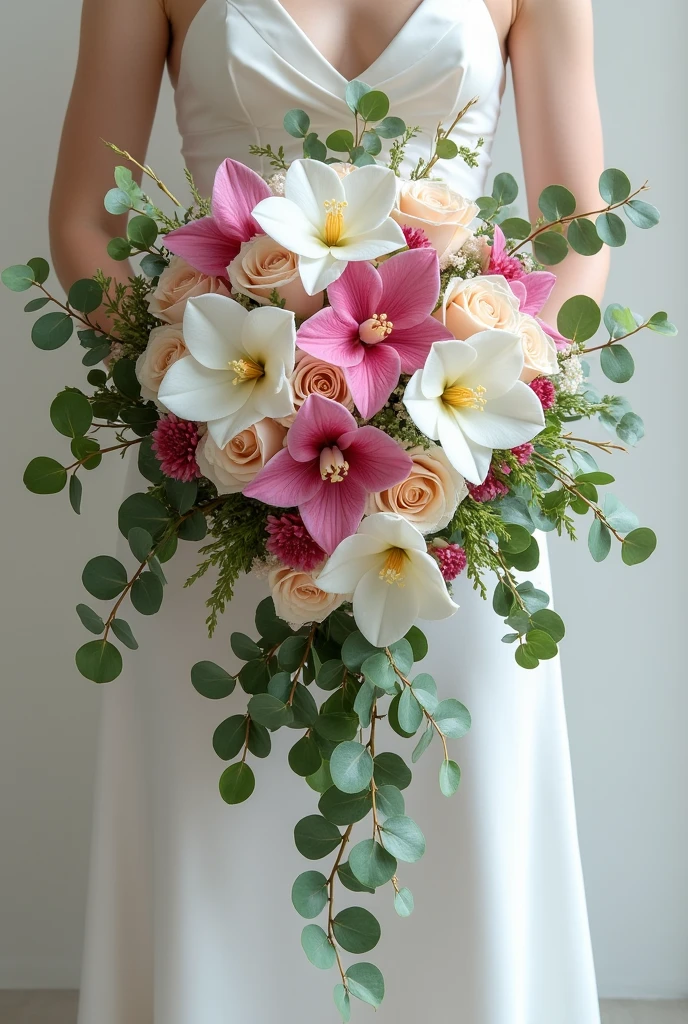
<point>611,229</point>
<point>99,661</point>
<point>356,930</point>
<point>614,186</point>
<point>453,718</point>
<point>104,577</point>
<point>638,546</point>
<point>237,783</point>
<point>371,864</point>
<point>309,894</point>
<point>230,737</point>
<point>318,947</point>
<point>212,681</point>
<point>315,837</point>
<point>351,767</point>
<point>556,202</point>
<point>403,902</point>
<point>402,838</point>
<point>583,238</point>
<point>550,248</point>
<point>450,777</point>
<point>90,619</point>
<point>366,983</point>
<point>147,593</point>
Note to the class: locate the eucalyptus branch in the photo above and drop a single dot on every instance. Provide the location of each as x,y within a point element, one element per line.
<point>604,446</point>
<point>426,713</point>
<point>104,451</point>
<point>330,901</point>
<point>304,659</point>
<point>556,471</point>
<point>74,315</point>
<point>146,169</point>
<point>608,344</point>
<point>422,170</point>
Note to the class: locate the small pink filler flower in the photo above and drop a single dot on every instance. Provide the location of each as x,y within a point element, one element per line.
<point>174,443</point>
<point>451,559</point>
<point>291,542</point>
<point>328,468</point>
<point>378,324</point>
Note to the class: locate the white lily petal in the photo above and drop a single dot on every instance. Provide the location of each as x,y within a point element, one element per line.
<point>224,429</point>
<point>350,561</point>
<point>368,245</point>
<point>470,459</point>
<point>447,363</point>
<point>370,193</point>
<point>310,184</point>
<point>499,362</point>
<point>423,411</point>
<point>274,399</point>
<point>269,337</point>
<point>212,329</point>
<point>384,612</point>
<point>196,393</point>
<point>426,579</point>
<point>393,531</point>
<point>512,419</point>
<point>289,226</point>
<point>319,273</point>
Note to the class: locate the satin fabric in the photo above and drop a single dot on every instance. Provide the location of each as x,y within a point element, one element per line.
<point>189,913</point>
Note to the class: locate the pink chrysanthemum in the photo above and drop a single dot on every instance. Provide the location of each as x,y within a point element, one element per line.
<point>544,389</point>
<point>451,560</point>
<point>174,443</point>
<point>492,487</point>
<point>291,542</point>
<point>416,238</point>
<point>523,452</point>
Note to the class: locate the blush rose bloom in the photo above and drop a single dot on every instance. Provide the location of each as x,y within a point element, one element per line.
<point>539,350</point>
<point>264,265</point>
<point>478,304</point>
<point>312,376</point>
<point>298,598</point>
<point>165,346</point>
<point>430,494</point>
<point>177,284</point>
<point>233,467</point>
<point>439,211</point>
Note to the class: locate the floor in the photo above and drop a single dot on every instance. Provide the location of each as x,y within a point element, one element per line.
<point>60,1008</point>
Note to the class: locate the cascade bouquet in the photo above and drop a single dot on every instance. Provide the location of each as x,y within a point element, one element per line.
<point>338,377</point>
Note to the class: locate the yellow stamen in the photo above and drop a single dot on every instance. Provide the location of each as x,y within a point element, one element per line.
<point>246,369</point>
<point>333,465</point>
<point>391,572</point>
<point>334,222</point>
<point>465,398</point>
<point>377,328</point>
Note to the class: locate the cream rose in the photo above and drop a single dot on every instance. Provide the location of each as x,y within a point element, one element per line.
<point>233,467</point>
<point>444,215</point>
<point>342,169</point>
<point>479,304</point>
<point>298,598</point>
<point>165,346</point>
<point>539,350</point>
<point>312,376</point>
<point>177,284</point>
<point>263,266</point>
<point>430,494</point>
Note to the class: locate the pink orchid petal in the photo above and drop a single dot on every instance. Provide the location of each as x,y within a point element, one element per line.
<point>329,337</point>
<point>410,286</point>
<point>236,193</point>
<point>376,460</point>
<point>538,286</point>
<point>498,242</point>
<point>318,424</point>
<point>285,482</point>
<point>372,381</point>
<point>334,512</point>
<point>356,294</point>
<point>414,343</point>
<point>519,290</point>
<point>204,246</point>
<point>560,341</point>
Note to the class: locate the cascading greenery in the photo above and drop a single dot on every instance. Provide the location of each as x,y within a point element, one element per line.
<point>340,751</point>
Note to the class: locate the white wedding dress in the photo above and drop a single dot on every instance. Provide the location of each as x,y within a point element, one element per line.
<point>189,914</point>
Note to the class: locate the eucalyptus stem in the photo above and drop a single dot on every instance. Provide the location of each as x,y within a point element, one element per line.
<point>431,720</point>
<point>605,446</point>
<point>440,135</point>
<point>330,902</point>
<point>556,470</point>
<point>104,451</point>
<point>146,169</point>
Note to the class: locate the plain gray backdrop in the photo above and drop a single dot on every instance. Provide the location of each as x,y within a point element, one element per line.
<point>624,659</point>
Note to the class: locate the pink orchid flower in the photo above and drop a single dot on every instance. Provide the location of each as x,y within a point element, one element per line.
<point>211,243</point>
<point>532,290</point>
<point>378,324</point>
<point>328,468</point>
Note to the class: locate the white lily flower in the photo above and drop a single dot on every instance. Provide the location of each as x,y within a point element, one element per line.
<point>329,221</point>
<point>238,368</point>
<point>393,579</point>
<point>468,396</point>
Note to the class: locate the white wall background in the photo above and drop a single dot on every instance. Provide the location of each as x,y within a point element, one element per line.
<point>624,661</point>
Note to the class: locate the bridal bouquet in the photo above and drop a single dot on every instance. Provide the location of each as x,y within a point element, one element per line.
<point>340,379</point>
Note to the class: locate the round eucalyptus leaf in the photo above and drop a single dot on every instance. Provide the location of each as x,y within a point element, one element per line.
<point>140,542</point>
<point>638,545</point>
<point>237,783</point>
<point>304,757</point>
<point>104,577</point>
<point>351,767</point>
<point>614,186</point>
<point>355,650</point>
<point>379,671</point>
<point>453,718</point>
<point>119,249</point>
<point>340,141</point>
<point>122,630</point>
<point>313,148</point>
<point>450,777</point>
<point>99,661</point>
<point>144,511</point>
<point>551,623</point>
<point>211,681</point>
<point>611,229</point>
<point>390,128</point>
<point>193,528</point>
<point>297,123</point>
<point>363,705</point>
<point>315,837</point>
<point>147,594</point>
<point>389,802</point>
<point>273,630</point>
<point>403,902</point>
<point>85,296</point>
<point>154,265</point>
<point>556,202</point>
<point>446,149</point>
<point>344,808</point>
<point>337,726</point>
<point>70,414</point>
<point>45,476</point>
<point>87,451</point>
<point>96,355</point>
<point>353,92</point>
<point>244,647</point>
<point>516,227</point>
<point>371,142</point>
<point>517,540</point>
<point>402,838</point>
<point>52,331</point>
<point>579,318</point>
<point>269,711</point>
<point>331,674</point>
<point>505,189</point>
<point>373,105</point>
<point>356,930</point>
<point>342,1002</point>
<point>527,560</point>
<point>230,737</point>
<point>392,770</point>
<point>35,304</point>
<point>259,741</point>
<point>425,690</point>
<point>254,676</point>
<point>292,652</point>
<point>643,215</point>
<point>617,363</point>
<point>393,718</point>
<point>410,713</point>
<point>117,202</point>
<point>304,708</point>
<point>124,378</point>
<point>550,248</point>
<point>167,548</point>
<point>40,268</point>
<point>366,983</point>
<point>402,655</point>
<point>583,238</point>
<point>90,619</point>
<point>318,947</point>
<point>525,658</point>
<point>541,644</point>
<point>309,894</point>
<point>148,464</point>
<point>142,232</point>
<point>18,278</point>
<point>371,864</point>
<point>630,429</point>
<point>418,642</point>
<point>349,880</point>
<point>321,780</point>
<point>181,494</point>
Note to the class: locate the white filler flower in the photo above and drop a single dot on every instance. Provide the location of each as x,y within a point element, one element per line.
<point>329,221</point>
<point>393,579</point>
<point>469,397</point>
<point>238,368</point>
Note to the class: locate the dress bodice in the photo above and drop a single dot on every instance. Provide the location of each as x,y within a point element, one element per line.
<point>244,63</point>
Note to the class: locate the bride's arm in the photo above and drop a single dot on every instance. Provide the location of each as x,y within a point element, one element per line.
<point>121,61</point>
<point>551,53</point>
